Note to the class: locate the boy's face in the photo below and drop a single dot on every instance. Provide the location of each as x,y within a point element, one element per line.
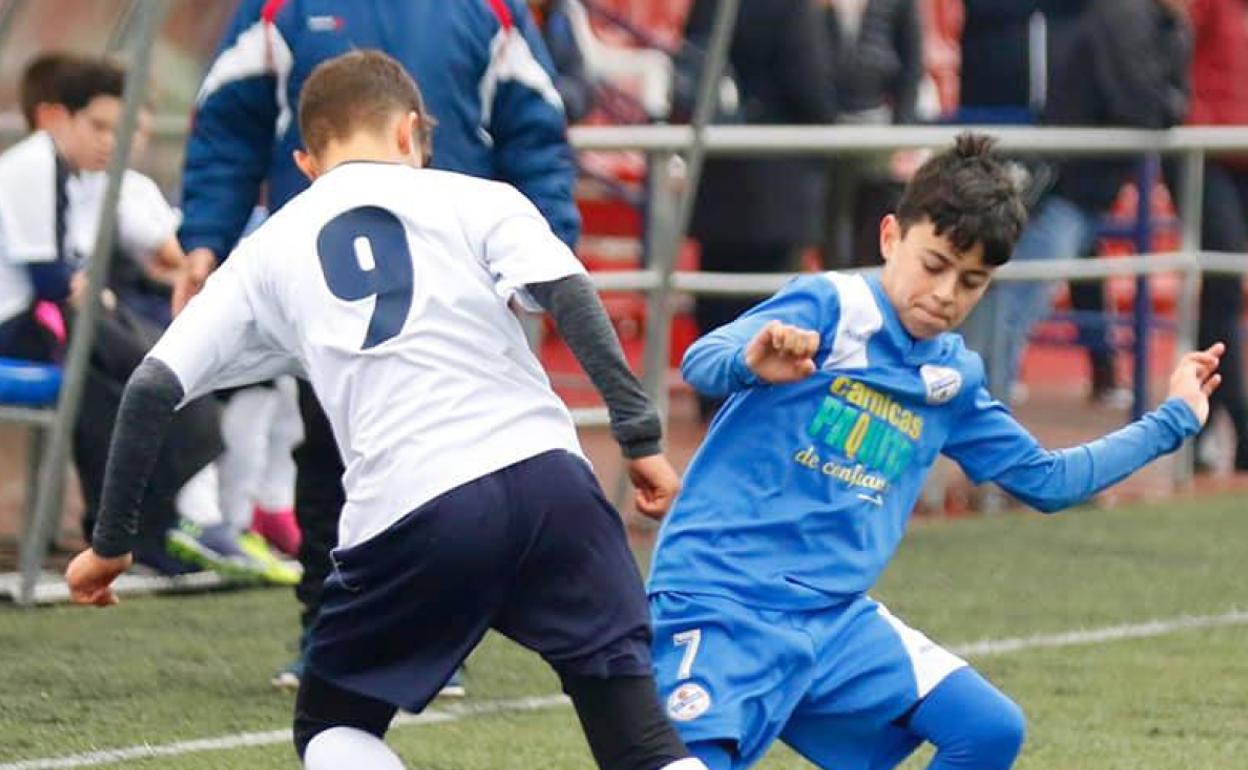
<point>932,285</point>
<point>87,138</point>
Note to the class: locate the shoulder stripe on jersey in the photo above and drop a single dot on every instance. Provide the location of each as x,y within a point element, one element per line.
<point>271,9</point>
<point>860,318</point>
<point>259,50</point>
<point>503,13</point>
<point>512,59</point>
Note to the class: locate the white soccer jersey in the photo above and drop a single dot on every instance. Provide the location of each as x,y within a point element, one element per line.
<point>27,218</point>
<point>145,220</point>
<point>388,288</point>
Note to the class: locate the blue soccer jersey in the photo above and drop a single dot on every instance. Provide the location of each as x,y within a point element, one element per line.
<point>801,492</point>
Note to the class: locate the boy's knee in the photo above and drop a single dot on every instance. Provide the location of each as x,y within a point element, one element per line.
<point>997,734</point>
<point>321,706</point>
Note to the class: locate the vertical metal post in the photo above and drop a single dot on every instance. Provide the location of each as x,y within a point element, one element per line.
<point>8,17</point>
<point>1191,209</point>
<point>1146,180</point>
<point>666,235</point>
<point>150,15</point>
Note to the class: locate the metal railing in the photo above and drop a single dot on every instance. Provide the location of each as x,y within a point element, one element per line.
<point>671,201</point>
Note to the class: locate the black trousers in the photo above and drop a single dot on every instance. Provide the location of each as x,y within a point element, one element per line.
<point>713,312</point>
<point>1224,227</point>
<point>319,498</point>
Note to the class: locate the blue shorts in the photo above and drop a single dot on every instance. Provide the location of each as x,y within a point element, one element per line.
<point>828,682</point>
<point>533,550</point>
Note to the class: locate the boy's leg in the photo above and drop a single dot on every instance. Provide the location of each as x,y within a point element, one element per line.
<point>973,725</point>
<point>336,728</point>
<point>578,601</point>
<point>873,670</point>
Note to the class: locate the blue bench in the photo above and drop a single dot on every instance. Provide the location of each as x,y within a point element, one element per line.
<point>28,397</point>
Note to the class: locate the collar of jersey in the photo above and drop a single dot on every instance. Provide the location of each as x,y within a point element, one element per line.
<point>912,350</point>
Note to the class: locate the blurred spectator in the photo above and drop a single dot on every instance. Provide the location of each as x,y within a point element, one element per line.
<point>1220,97</point>
<point>999,82</point>
<point>877,64</point>
<point>49,209</point>
<point>757,214</point>
<point>1126,66</point>
<point>572,79</point>
<point>488,81</point>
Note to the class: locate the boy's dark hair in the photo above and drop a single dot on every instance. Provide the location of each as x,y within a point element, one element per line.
<point>41,82</point>
<point>80,79</point>
<point>971,194</point>
<point>357,90</point>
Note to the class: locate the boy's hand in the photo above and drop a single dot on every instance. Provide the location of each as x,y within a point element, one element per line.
<point>656,482</point>
<point>199,265</point>
<point>782,353</point>
<point>1196,378</point>
<point>90,576</point>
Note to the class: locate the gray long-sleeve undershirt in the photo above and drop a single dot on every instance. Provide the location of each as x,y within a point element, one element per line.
<point>583,324</point>
<point>154,391</point>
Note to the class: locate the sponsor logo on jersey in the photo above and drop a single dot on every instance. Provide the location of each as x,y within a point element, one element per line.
<point>687,702</point>
<point>324,23</point>
<point>942,383</point>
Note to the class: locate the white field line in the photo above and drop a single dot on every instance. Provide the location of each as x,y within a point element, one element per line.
<point>454,713</point>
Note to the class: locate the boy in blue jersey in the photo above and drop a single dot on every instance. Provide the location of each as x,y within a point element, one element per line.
<point>841,392</point>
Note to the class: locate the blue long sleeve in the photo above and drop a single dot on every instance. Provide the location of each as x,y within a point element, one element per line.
<point>529,130</point>
<point>991,445</point>
<point>715,364</point>
<point>230,147</point>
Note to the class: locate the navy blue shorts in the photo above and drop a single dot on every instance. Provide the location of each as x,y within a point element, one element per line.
<point>533,550</point>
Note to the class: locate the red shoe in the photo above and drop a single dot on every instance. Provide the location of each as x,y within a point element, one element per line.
<point>279,528</point>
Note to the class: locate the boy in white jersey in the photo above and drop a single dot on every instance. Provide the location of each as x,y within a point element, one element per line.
<point>469,505</point>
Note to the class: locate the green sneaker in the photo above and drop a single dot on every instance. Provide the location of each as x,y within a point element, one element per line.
<point>277,571</point>
<point>215,548</point>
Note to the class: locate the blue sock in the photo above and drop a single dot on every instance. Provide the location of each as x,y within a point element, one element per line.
<point>716,755</point>
<point>973,725</point>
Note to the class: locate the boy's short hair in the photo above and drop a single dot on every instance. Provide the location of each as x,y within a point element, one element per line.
<point>41,81</point>
<point>360,90</point>
<point>971,194</point>
<point>80,79</point>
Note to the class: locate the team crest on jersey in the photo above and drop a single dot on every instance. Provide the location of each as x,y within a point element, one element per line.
<point>942,382</point>
<point>688,702</point>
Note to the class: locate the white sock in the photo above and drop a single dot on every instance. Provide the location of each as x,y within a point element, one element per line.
<point>276,489</point>
<point>245,424</point>
<point>688,763</point>
<point>198,499</point>
<point>346,748</point>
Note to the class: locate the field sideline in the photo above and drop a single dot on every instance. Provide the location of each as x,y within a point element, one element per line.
<point>158,671</point>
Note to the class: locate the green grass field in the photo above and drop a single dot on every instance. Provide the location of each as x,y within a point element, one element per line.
<point>159,670</point>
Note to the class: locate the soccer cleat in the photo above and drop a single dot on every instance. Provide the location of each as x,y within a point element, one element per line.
<point>454,687</point>
<point>279,528</point>
<point>276,570</point>
<point>215,548</point>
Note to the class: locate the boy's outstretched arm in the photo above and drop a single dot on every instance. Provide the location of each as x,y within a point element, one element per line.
<point>583,324</point>
<point>992,446</point>
<point>775,341</point>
